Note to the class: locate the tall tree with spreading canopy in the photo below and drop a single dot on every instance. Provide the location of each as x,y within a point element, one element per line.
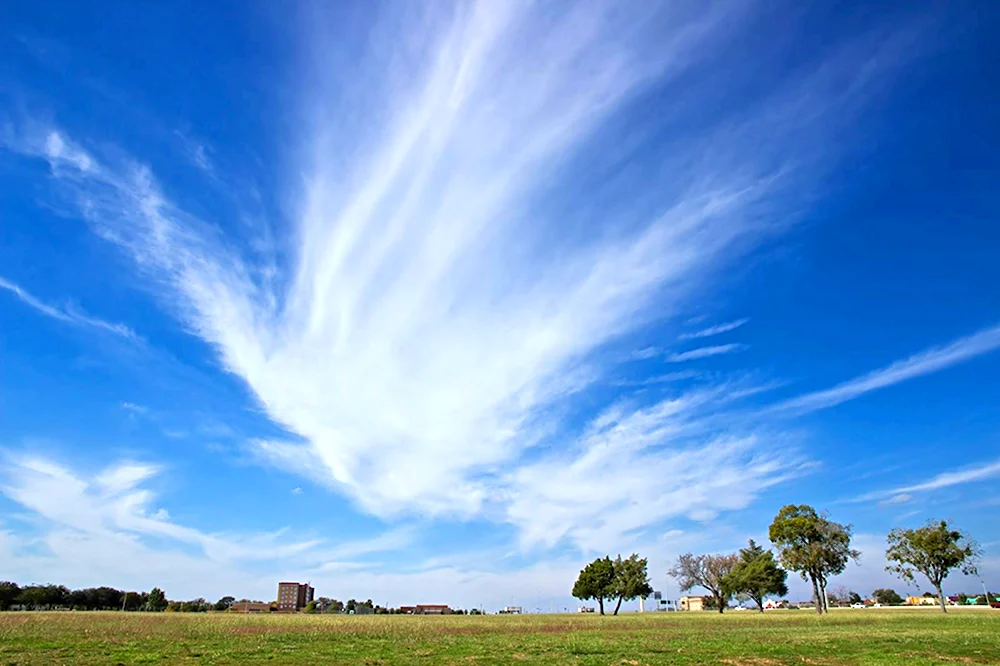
<point>933,550</point>
<point>157,600</point>
<point>813,545</point>
<point>596,581</point>
<point>707,571</point>
<point>757,575</point>
<point>631,579</point>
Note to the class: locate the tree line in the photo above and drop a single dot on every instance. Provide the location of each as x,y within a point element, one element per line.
<point>48,597</point>
<point>52,597</point>
<point>808,543</point>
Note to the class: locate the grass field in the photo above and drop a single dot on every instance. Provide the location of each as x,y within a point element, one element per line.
<point>781,637</point>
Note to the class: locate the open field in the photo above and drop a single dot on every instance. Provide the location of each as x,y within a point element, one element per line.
<point>782,637</point>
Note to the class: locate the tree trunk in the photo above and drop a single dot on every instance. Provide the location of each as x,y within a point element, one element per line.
<point>944,608</point>
<point>600,602</point>
<point>819,600</point>
<point>618,605</point>
<point>720,603</point>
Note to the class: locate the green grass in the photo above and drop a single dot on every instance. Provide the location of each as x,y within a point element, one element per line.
<point>911,637</point>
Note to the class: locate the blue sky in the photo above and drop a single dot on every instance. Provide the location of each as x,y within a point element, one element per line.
<point>438,302</point>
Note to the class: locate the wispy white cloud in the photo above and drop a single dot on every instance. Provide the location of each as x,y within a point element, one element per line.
<point>665,462</point>
<point>924,363</point>
<point>646,353</point>
<point>901,498</point>
<point>981,472</point>
<point>113,504</point>
<point>67,313</point>
<point>706,352</point>
<point>714,330</point>
<point>665,378</point>
<point>436,315</point>
<point>134,408</point>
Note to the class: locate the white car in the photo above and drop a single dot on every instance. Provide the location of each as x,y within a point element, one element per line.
<point>857,605</point>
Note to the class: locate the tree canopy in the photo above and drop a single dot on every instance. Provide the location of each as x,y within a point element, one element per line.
<point>886,596</point>
<point>812,545</point>
<point>707,571</point>
<point>596,581</point>
<point>631,579</point>
<point>756,575</point>
<point>934,551</point>
<point>157,600</point>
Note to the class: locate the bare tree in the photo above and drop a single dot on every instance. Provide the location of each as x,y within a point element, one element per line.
<point>707,571</point>
<point>839,595</point>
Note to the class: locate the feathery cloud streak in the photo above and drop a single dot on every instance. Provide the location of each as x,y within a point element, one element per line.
<point>436,308</point>
<point>705,352</point>
<point>944,480</point>
<point>714,330</point>
<point>68,314</point>
<point>926,362</point>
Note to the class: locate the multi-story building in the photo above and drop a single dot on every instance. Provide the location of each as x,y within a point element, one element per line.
<point>294,596</point>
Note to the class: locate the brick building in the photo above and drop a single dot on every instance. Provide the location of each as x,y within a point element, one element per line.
<point>294,596</point>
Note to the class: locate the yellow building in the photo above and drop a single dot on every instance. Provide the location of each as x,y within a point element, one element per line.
<point>691,604</point>
<point>921,601</point>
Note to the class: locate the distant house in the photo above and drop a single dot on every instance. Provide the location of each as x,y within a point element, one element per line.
<point>425,609</point>
<point>691,604</point>
<point>771,604</point>
<point>249,607</point>
<point>432,609</point>
<point>510,610</point>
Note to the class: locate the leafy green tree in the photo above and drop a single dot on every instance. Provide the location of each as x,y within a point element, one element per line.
<point>812,545</point>
<point>157,600</point>
<point>756,575</point>
<point>224,603</point>
<point>631,579</point>
<point>934,551</point>
<point>596,581</point>
<point>9,593</point>
<point>131,601</point>
<point>30,596</point>
<point>707,571</point>
<point>310,607</point>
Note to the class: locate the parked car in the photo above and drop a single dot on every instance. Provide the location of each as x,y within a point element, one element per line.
<point>858,605</point>
<point>876,605</point>
<point>995,604</point>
